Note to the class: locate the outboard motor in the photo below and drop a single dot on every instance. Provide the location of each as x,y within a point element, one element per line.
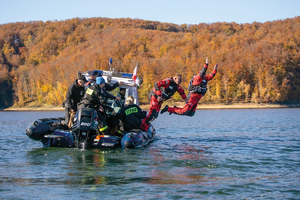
<point>85,127</point>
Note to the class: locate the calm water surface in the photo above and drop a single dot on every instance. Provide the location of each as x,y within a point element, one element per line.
<point>217,154</point>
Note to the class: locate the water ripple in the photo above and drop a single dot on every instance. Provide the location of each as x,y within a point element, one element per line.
<point>216,154</point>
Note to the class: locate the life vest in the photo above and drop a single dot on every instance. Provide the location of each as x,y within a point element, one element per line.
<point>93,96</point>
<point>90,98</point>
<point>200,89</point>
<point>168,92</point>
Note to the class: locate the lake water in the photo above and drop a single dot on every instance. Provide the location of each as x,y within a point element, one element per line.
<point>216,154</point>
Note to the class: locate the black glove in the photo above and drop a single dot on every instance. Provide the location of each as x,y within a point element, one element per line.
<point>203,91</point>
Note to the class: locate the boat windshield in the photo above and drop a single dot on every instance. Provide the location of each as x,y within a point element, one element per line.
<point>130,91</point>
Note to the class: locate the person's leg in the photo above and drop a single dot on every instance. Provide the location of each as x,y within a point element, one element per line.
<point>120,127</point>
<point>153,113</point>
<point>189,108</point>
<point>102,126</point>
<point>67,116</point>
<point>182,111</point>
<point>112,124</point>
<point>146,123</point>
<point>193,110</point>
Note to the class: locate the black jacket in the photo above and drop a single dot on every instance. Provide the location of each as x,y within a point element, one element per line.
<point>108,87</point>
<point>74,96</point>
<point>132,116</point>
<point>95,97</point>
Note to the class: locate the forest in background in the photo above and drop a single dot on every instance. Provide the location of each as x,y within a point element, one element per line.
<point>258,62</point>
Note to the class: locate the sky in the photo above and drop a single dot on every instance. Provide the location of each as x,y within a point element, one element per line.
<point>170,11</point>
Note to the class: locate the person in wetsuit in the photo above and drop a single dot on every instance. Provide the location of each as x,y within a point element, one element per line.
<point>162,91</point>
<point>197,88</point>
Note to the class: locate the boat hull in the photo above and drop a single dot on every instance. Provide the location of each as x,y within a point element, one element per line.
<point>66,138</point>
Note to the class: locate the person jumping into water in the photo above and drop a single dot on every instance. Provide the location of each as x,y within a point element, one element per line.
<point>197,88</point>
<point>162,91</point>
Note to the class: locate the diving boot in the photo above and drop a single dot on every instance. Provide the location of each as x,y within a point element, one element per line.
<point>119,133</point>
<point>165,109</point>
<point>104,130</point>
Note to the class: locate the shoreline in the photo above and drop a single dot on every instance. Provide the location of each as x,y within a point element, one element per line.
<point>178,104</point>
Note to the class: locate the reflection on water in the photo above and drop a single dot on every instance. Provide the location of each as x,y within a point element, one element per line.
<point>217,154</point>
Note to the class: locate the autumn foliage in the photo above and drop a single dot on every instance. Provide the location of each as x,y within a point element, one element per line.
<point>258,62</point>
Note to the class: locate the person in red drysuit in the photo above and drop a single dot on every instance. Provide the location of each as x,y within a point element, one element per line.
<point>162,91</point>
<point>197,88</point>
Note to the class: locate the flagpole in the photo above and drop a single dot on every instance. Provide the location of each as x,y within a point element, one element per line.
<point>110,62</point>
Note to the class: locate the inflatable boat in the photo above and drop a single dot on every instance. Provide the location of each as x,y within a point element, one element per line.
<point>52,133</point>
<point>137,138</point>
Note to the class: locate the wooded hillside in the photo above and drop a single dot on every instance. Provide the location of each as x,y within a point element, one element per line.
<point>258,62</point>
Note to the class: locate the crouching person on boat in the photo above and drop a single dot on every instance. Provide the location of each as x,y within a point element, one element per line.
<point>73,97</point>
<point>95,97</point>
<point>197,88</point>
<point>131,115</point>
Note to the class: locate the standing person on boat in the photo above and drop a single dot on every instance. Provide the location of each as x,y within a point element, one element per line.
<point>73,97</point>
<point>197,88</point>
<point>131,115</point>
<point>162,91</point>
<point>95,97</point>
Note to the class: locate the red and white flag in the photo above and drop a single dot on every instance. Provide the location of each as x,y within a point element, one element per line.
<point>134,73</point>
